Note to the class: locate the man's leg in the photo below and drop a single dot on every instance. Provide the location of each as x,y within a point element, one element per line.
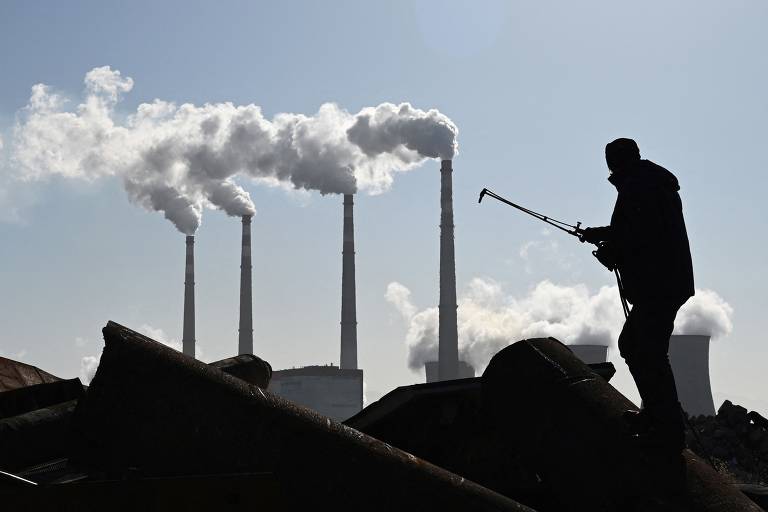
<point>644,344</point>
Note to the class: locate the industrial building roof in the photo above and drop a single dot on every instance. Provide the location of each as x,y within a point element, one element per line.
<point>317,371</point>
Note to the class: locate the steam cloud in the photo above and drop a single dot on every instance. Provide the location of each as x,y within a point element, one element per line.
<point>705,313</point>
<point>489,320</point>
<point>179,160</point>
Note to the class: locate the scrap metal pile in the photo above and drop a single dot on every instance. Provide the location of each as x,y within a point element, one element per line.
<point>157,430</point>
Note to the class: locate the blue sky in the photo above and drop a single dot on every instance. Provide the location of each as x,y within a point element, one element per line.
<point>536,89</point>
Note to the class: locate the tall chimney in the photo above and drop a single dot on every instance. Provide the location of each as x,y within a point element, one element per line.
<point>348,301</point>
<point>188,337</point>
<point>245,331</point>
<point>448,336</point>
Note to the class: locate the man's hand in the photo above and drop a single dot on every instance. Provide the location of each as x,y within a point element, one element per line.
<point>594,235</point>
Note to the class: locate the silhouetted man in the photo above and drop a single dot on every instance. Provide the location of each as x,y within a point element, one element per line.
<point>648,240</point>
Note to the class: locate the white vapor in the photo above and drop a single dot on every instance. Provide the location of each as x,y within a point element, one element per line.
<point>179,160</point>
<point>489,319</point>
<point>705,313</point>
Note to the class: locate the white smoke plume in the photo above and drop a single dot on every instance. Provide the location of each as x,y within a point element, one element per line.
<point>705,313</point>
<point>179,160</point>
<point>489,319</point>
<point>401,130</point>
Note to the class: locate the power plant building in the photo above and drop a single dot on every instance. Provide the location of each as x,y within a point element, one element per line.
<point>332,391</point>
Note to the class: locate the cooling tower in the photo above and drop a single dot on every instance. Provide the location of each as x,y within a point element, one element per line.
<point>245,330</point>
<point>448,337</point>
<point>348,360</point>
<point>689,357</point>
<point>590,354</point>
<point>188,336</point>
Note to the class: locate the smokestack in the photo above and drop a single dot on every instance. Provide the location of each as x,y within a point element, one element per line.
<point>188,337</point>
<point>448,336</point>
<point>245,331</point>
<point>348,300</point>
<point>689,358</point>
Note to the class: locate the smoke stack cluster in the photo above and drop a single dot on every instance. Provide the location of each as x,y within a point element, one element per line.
<point>188,337</point>
<point>348,360</point>
<point>245,331</point>
<point>448,336</point>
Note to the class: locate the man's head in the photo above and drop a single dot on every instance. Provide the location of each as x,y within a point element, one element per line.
<point>621,153</point>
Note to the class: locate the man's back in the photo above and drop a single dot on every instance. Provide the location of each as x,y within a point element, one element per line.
<point>649,232</point>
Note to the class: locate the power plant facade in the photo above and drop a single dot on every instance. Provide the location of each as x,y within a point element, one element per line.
<point>448,335</point>
<point>348,357</point>
<point>590,354</point>
<point>245,330</point>
<point>328,390</point>
<point>689,358</point>
<point>188,334</point>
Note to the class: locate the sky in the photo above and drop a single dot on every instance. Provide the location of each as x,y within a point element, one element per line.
<point>536,90</point>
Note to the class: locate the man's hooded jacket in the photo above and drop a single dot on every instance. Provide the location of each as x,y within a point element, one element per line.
<point>648,232</point>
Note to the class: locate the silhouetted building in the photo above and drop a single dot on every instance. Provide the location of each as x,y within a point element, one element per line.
<point>332,391</point>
